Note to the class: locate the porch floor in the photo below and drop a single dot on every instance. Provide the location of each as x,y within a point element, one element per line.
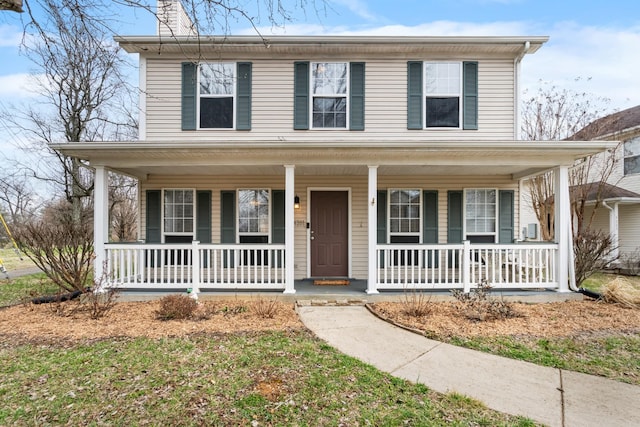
<point>354,293</point>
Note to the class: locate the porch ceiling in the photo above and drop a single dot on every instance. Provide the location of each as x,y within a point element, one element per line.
<point>506,158</point>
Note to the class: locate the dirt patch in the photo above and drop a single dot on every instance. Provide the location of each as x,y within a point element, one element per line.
<point>571,318</point>
<point>40,323</point>
<point>138,319</point>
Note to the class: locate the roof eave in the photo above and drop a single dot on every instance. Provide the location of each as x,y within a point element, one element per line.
<point>140,44</point>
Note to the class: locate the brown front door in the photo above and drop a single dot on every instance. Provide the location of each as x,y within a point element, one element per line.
<point>329,233</point>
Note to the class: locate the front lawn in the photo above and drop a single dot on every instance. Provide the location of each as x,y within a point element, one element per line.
<point>269,378</point>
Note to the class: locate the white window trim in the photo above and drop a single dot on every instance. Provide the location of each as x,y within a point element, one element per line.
<point>162,218</point>
<point>420,218</point>
<point>625,157</point>
<point>465,233</point>
<point>442,95</point>
<point>269,219</point>
<point>235,95</point>
<point>346,96</point>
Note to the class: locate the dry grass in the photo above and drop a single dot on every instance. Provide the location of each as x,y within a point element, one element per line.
<point>621,291</point>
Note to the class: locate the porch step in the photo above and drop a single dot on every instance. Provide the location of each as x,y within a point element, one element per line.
<point>331,302</point>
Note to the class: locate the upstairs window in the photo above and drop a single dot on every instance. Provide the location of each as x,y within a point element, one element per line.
<point>329,95</point>
<point>443,92</point>
<point>442,95</point>
<point>216,93</point>
<point>329,85</point>
<point>632,156</point>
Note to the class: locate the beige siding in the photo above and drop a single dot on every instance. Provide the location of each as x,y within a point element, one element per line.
<point>356,185</point>
<point>629,229</point>
<point>385,104</point>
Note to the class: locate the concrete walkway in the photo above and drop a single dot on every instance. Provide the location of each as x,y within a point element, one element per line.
<point>552,396</point>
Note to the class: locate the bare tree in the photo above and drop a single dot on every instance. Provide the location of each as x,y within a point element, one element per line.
<point>18,200</point>
<point>552,114</point>
<point>81,87</point>
<point>123,208</point>
<point>60,246</point>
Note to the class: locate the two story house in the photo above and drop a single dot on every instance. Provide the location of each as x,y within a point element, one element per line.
<point>263,161</point>
<point>614,199</point>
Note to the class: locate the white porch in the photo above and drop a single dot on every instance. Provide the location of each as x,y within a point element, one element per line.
<point>383,266</point>
<point>398,267</point>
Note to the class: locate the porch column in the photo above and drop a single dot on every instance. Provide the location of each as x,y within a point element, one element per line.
<point>100,222</point>
<point>563,235</point>
<point>372,203</point>
<point>289,223</point>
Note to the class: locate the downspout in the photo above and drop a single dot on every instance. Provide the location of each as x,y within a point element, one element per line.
<point>516,89</point>
<point>613,223</point>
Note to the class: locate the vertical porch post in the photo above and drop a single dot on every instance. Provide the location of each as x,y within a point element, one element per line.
<point>563,234</point>
<point>100,223</point>
<point>195,269</point>
<point>372,203</point>
<point>289,236</point>
<point>465,265</point>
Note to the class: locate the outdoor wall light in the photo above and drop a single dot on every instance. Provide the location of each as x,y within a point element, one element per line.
<point>296,202</point>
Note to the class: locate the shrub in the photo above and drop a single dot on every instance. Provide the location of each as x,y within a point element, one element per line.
<point>416,304</point>
<point>265,308</point>
<point>174,307</point>
<point>592,250</point>
<point>479,305</point>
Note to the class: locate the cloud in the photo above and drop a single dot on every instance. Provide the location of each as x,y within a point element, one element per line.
<point>436,28</point>
<point>358,7</point>
<point>13,86</point>
<point>10,36</point>
<point>604,59</point>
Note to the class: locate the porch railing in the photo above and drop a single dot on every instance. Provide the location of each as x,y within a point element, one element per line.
<point>466,265</point>
<point>195,265</point>
<point>399,266</point>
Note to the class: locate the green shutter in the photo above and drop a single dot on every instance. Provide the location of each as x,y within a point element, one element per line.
<point>277,216</point>
<point>430,220</point>
<point>189,81</point>
<point>506,218</point>
<point>278,227</point>
<point>382,216</point>
<point>203,216</point>
<point>414,95</point>
<point>153,222</point>
<point>454,221</point>
<point>430,223</point>
<point>154,216</point>
<point>227,216</point>
<point>243,114</point>
<point>356,96</point>
<point>454,217</point>
<point>382,221</point>
<point>301,95</point>
<point>228,221</point>
<point>470,95</point>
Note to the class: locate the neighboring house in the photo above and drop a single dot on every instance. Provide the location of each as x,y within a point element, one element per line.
<point>264,161</point>
<point>619,213</point>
